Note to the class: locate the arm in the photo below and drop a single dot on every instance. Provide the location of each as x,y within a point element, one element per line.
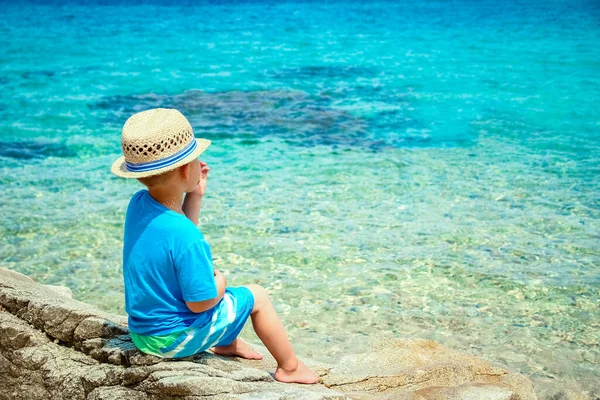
<point>193,200</point>
<point>191,206</point>
<point>201,306</point>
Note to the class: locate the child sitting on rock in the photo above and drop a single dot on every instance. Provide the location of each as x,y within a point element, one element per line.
<point>178,304</point>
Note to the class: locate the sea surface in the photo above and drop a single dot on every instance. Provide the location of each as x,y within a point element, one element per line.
<point>385,169</point>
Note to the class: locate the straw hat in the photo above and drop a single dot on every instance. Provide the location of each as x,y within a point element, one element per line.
<point>156,141</point>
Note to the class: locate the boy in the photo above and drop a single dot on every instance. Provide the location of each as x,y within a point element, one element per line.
<point>178,304</point>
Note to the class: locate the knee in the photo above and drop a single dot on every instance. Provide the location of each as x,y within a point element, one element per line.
<point>261,296</point>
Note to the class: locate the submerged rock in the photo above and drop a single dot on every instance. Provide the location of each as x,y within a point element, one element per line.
<point>35,149</point>
<point>52,346</point>
<point>299,118</point>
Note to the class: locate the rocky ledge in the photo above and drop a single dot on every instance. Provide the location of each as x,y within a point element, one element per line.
<point>52,346</point>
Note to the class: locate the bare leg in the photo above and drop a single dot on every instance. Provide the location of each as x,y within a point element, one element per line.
<point>271,332</point>
<point>238,348</point>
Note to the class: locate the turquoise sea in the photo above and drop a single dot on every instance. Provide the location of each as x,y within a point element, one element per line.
<point>386,169</point>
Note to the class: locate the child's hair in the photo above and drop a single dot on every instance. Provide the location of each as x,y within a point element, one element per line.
<point>153,180</point>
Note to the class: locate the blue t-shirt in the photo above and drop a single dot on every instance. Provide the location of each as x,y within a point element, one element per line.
<point>166,262</point>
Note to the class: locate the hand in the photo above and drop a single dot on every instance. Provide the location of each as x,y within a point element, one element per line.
<point>201,186</point>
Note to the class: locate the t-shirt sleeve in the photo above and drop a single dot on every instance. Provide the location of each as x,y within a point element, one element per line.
<point>195,273</point>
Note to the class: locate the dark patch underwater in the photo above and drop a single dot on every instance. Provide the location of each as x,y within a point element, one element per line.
<point>297,117</point>
<point>27,150</point>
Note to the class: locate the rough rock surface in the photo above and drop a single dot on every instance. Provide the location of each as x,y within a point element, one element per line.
<point>52,346</point>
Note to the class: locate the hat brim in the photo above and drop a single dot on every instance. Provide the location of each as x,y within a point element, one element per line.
<point>120,169</point>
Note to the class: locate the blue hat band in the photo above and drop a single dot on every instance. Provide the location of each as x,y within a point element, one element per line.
<point>165,162</point>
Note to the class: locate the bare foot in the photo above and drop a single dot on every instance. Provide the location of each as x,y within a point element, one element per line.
<point>239,349</point>
<point>299,375</point>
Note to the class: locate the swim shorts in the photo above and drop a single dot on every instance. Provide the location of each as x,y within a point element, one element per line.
<point>227,321</point>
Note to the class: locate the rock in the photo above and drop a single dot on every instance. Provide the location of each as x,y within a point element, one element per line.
<point>93,327</point>
<point>52,346</point>
<point>423,369</point>
<point>56,347</point>
<point>465,392</point>
<point>61,290</point>
<point>564,394</point>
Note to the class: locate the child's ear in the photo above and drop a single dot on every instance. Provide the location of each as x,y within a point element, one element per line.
<point>184,170</point>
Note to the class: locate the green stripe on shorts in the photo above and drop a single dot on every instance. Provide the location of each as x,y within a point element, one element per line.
<point>153,344</point>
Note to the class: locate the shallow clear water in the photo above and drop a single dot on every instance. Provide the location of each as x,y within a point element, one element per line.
<point>385,170</point>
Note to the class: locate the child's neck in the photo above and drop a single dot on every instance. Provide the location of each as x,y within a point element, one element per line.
<point>168,196</point>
